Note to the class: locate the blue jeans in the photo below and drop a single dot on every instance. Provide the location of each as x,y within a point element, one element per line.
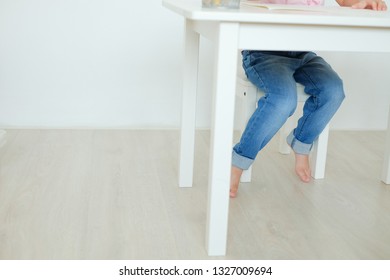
<point>276,74</point>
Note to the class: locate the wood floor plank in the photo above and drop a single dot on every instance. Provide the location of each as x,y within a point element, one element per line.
<point>113,194</point>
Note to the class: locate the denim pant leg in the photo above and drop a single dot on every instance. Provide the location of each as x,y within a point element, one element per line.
<point>326,95</point>
<point>274,75</point>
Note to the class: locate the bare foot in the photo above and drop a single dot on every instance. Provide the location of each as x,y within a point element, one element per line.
<point>235,176</point>
<point>302,167</point>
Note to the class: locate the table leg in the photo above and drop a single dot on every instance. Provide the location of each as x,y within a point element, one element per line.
<point>386,162</point>
<point>2,137</point>
<point>221,138</point>
<point>190,79</point>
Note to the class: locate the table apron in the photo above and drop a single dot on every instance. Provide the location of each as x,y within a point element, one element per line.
<point>296,37</point>
<point>314,37</point>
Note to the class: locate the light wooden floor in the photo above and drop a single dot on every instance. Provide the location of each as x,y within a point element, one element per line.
<point>78,194</point>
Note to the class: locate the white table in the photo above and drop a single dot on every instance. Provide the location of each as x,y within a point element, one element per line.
<point>336,29</point>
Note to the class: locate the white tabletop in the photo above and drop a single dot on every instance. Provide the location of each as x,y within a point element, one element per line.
<point>329,15</point>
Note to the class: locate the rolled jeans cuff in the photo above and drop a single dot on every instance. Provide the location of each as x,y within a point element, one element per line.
<point>240,161</point>
<point>298,146</point>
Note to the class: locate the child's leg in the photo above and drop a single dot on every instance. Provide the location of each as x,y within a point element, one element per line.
<point>327,94</point>
<point>235,180</point>
<point>274,75</point>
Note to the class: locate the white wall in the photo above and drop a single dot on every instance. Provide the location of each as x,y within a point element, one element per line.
<point>66,63</point>
<point>117,63</point>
